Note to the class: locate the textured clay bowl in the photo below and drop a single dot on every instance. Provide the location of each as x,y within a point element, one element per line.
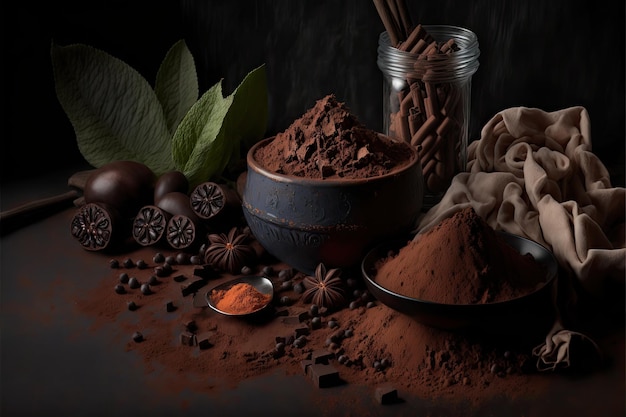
<point>533,312</point>
<point>262,284</point>
<point>304,222</point>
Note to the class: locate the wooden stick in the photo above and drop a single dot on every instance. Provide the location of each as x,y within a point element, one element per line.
<point>26,213</point>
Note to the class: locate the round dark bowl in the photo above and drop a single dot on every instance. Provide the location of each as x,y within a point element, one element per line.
<point>304,222</point>
<point>531,312</point>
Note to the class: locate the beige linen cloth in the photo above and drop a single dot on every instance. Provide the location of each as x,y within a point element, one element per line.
<point>533,173</point>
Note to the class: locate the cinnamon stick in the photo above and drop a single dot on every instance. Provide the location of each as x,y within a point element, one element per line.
<point>17,217</point>
<point>390,24</point>
<point>405,16</point>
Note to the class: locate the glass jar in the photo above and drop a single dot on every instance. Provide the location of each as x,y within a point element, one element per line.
<point>427,97</point>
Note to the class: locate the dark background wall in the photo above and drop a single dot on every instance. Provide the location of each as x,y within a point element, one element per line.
<point>546,54</point>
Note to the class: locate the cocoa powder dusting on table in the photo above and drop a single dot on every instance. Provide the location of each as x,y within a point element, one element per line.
<point>328,142</point>
<point>195,348</point>
<point>461,261</point>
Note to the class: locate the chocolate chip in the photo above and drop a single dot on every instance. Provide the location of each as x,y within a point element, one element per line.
<point>145,289</point>
<point>159,271</point>
<point>123,278</point>
<point>285,274</point>
<point>316,322</point>
<point>128,263</point>
<point>279,348</point>
<point>246,270</point>
<point>141,264</point>
<point>133,283</point>
<point>114,263</point>
<point>195,260</point>
<point>158,258</point>
<point>298,288</point>
<point>314,310</point>
<point>169,306</point>
<point>182,258</point>
<point>153,280</point>
<point>170,260</point>
<point>119,288</point>
<point>138,337</point>
<point>268,271</point>
<point>300,342</point>
<point>132,306</point>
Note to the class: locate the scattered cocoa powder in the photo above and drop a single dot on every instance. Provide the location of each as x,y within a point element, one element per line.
<point>241,298</point>
<point>420,361</point>
<point>329,142</point>
<point>462,260</point>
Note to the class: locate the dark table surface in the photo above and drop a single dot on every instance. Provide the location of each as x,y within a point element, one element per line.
<point>53,363</point>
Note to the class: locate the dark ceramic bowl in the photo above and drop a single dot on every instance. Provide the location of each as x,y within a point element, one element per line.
<point>532,312</point>
<point>304,222</point>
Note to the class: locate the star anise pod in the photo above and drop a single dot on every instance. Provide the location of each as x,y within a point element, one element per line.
<point>325,288</point>
<point>229,252</point>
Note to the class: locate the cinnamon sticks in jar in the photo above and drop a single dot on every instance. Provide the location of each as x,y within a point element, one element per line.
<point>431,113</point>
<point>427,74</point>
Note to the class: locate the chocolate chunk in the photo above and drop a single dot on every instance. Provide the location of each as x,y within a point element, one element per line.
<point>324,375</point>
<point>386,394</point>
<point>180,278</point>
<point>291,320</point>
<point>187,339</point>
<point>321,356</point>
<point>192,287</point>
<point>305,365</point>
<point>191,326</point>
<point>204,341</point>
<point>206,272</point>
<point>302,331</point>
<point>169,306</point>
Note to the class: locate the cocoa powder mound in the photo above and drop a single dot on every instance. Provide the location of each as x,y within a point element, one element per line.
<point>462,260</point>
<point>328,142</point>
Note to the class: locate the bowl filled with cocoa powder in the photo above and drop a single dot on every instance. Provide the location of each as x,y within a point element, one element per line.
<point>327,189</point>
<point>463,274</point>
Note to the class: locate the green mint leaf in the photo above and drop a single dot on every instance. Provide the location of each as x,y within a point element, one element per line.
<point>113,109</point>
<point>246,121</point>
<point>176,84</point>
<point>199,147</point>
